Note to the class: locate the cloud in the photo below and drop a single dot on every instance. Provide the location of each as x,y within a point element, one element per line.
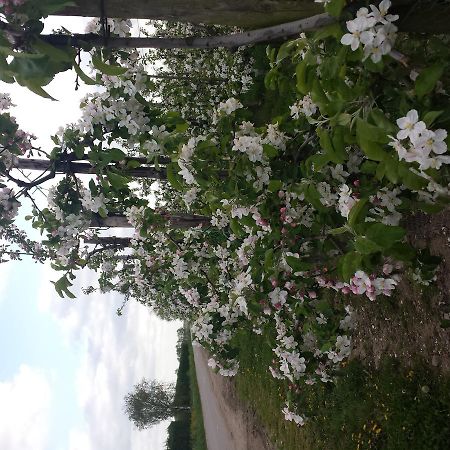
<point>25,403</point>
<point>118,352</point>
<point>79,440</point>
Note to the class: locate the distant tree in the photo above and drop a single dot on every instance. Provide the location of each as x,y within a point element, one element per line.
<point>150,402</point>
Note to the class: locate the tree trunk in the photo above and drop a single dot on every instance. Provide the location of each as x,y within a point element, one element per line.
<point>234,40</point>
<point>86,168</point>
<point>121,242</point>
<point>176,220</point>
<point>422,17</point>
<point>240,13</point>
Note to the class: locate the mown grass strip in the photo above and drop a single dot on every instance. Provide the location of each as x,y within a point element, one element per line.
<point>391,408</point>
<point>198,438</point>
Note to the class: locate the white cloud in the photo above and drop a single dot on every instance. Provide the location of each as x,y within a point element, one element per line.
<point>119,352</point>
<point>24,410</point>
<point>79,440</point>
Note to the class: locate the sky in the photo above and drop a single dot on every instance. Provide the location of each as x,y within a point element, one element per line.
<point>67,364</point>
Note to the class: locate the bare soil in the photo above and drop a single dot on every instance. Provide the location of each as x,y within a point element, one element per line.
<point>408,326</point>
<point>245,430</point>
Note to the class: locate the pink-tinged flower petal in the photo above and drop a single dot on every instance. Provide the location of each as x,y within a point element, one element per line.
<point>403,122</point>
<point>412,116</point>
<point>355,44</point>
<point>367,37</point>
<point>440,134</point>
<point>352,26</point>
<point>402,134</point>
<point>439,147</point>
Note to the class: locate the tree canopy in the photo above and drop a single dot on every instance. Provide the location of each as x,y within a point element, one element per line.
<point>149,403</point>
<point>274,209</point>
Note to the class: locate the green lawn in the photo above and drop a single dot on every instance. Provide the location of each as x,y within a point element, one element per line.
<point>390,408</point>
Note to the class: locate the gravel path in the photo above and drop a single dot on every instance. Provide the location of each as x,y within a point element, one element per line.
<point>229,425</point>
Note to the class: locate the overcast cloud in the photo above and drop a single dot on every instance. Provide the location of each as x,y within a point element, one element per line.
<point>119,352</point>
<point>25,410</point>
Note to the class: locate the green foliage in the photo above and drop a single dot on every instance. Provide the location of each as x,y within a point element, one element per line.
<point>390,408</point>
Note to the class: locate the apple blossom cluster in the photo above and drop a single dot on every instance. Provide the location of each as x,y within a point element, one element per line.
<point>291,416</point>
<point>373,30</point>
<point>363,284</point>
<point>5,102</point>
<point>118,27</point>
<point>304,106</point>
<point>346,200</point>
<point>9,206</point>
<point>12,144</point>
<point>113,112</point>
<point>229,106</point>
<point>384,204</point>
<point>415,143</point>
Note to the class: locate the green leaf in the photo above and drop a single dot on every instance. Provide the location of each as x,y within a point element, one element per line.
<point>410,179</point>
<point>366,246</point>
<point>401,251</point>
<point>372,150</point>
<point>385,235</point>
<point>357,213</point>
<point>274,185</point>
<point>270,151</point>
<point>107,69</point>
<point>312,196</point>
<point>391,170</point>
<point>117,181</point>
<point>86,79</point>
<point>334,30</point>
<point>284,51</point>
<point>297,264</point>
<point>39,91</point>
<point>316,162</point>
<point>65,54</point>
<point>343,119</point>
<point>181,127</point>
<point>318,96</point>
<point>427,79</point>
<point>349,264</point>
<point>327,145</point>
<point>381,121</point>
<point>133,164</point>
<point>268,260</point>
<point>300,72</point>
<point>49,7</point>
<point>431,116</point>
<point>372,133</point>
<point>116,154</point>
<point>235,227</point>
<point>340,230</point>
<point>335,7</point>
<point>62,287</point>
<point>172,176</point>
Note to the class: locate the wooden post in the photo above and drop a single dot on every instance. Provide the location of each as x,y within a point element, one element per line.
<point>424,17</point>
<point>86,168</point>
<point>176,220</point>
<point>120,242</point>
<point>240,13</point>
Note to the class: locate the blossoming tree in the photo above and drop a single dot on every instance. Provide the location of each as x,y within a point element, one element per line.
<point>292,216</point>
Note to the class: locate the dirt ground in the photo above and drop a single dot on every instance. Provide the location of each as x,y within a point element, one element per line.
<point>243,428</point>
<point>408,327</point>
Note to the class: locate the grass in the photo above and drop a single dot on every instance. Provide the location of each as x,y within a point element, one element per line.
<point>198,438</point>
<point>389,408</point>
